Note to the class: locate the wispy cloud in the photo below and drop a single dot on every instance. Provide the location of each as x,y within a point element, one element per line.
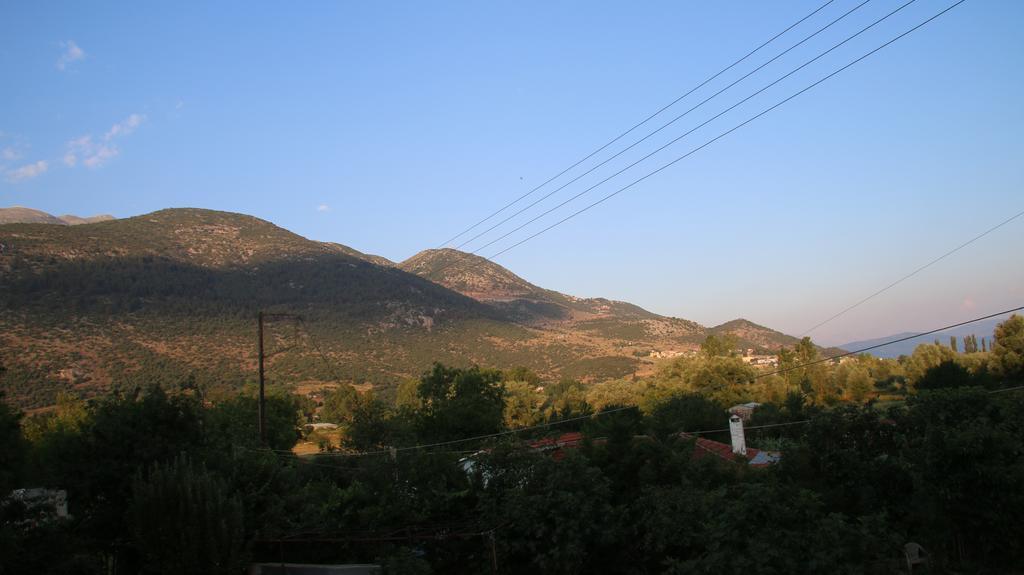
<point>72,53</point>
<point>92,153</point>
<point>125,127</point>
<point>968,304</point>
<point>323,208</point>
<point>10,153</point>
<point>100,156</point>
<point>27,172</point>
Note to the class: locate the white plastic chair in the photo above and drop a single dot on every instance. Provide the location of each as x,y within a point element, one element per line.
<point>915,554</point>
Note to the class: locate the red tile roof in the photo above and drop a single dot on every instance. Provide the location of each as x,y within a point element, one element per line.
<point>702,448</point>
<point>708,448</point>
<point>557,445</point>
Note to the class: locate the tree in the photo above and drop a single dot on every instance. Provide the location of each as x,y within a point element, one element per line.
<point>688,412</point>
<point>945,375</point>
<point>765,528</point>
<point>523,404</point>
<point>927,356</point>
<point>94,459</point>
<point>555,515</point>
<point>858,384</point>
<point>13,448</point>
<point>522,374</point>
<point>234,422</point>
<point>184,521</point>
<point>460,403</point>
<point>339,404</point>
<point>970,343</point>
<point>723,379</point>
<point>952,344</point>
<point>615,392</point>
<point>565,399</point>
<point>1008,349</point>
<point>407,396</point>
<point>801,367</point>
<point>375,426</point>
<point>965,449</point>
<point>719,346</point>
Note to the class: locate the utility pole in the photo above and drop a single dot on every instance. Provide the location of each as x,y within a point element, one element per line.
<point>260,317</point>
<point>263,416</point>
<point>494,554</point>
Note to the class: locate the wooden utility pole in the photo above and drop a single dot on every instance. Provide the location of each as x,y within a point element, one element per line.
<point>262,425</point>
<point>260,317</point>
<point>494,554</point>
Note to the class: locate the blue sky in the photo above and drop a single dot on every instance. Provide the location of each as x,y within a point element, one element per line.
<point>392,126</point>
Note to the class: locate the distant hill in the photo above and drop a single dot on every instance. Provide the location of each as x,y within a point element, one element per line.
<point>746,330</point>
<point>379,260</point>
<point>170,298</point>
<point>486,281</point>
<point>172,295</point>
<point>20,215</point>
<point>982,329</point>
<point>77,221</point>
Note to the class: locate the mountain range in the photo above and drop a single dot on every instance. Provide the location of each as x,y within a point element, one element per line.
<point>20,215</point>
<point>171,298</point>
<point>982,329</point>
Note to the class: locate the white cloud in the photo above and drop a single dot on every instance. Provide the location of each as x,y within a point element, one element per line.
<point>323,208</point>
<point>93,154</point>
<point>100,156</point>
<point>82,146</point>
<point>124,128</point>
<point>72,53</point>
<point>27,172</point>
<point>10,153</point>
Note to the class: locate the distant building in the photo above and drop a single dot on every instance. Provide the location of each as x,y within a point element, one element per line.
<point>667,354</point>
<point>761,360</point>
<point>322,426</point>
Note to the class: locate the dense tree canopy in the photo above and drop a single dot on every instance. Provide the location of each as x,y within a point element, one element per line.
<point>874,454</point>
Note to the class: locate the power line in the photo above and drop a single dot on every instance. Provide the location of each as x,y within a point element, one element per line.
<point>899,340</point>
<point>642,122</point>
<point>481,437</point>
<point>846,310</point>
<point>716,138</point>
<point>806,421</point>
<point>709,431</point>
<point>917,271</point>
<point>615,410</point>
<point>609,196</point>
<point>672,121</point>
<point>1019,387</point>
<point>320,352</point>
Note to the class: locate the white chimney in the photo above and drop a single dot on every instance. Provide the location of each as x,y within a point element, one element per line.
<point>739,444</point>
